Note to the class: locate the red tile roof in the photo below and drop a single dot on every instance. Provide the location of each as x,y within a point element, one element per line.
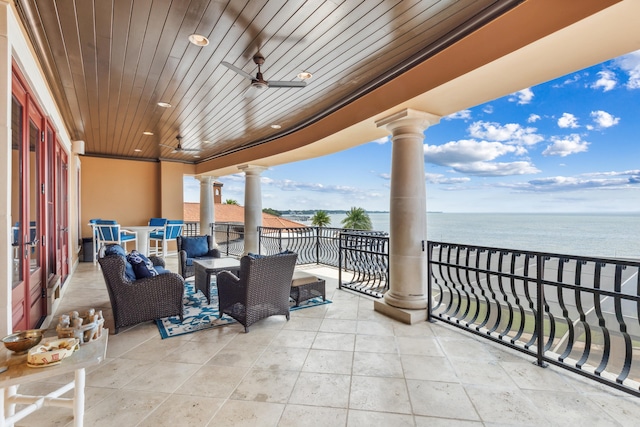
<point>235,213</point>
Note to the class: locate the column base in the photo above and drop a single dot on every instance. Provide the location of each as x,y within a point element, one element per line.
<point>403,315</point>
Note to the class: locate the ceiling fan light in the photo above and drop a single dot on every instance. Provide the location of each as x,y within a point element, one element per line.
<point>198,40</point>
<point>305,75</point>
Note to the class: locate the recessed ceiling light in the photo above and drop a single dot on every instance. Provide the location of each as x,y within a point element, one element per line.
<point>276,126</point>
<point>137,150</point>
<point>146,132</point>
<point>196,156</point>
<point>305,75</point>
<point>198,40</point>
<point>206,142</point>
<point>164,105</point>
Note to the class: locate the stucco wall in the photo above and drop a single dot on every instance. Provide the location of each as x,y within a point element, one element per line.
<point>127,191</point>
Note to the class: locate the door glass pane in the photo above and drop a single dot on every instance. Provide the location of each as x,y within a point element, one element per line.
<point>16,191</point>
<point>34,187</point>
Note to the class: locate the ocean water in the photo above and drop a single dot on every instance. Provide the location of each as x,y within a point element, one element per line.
<point>593,235</point>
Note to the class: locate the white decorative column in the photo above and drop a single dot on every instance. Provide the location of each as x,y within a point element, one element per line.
<point>406,299</point>
<point>252,207</point>
<point>207,207</point>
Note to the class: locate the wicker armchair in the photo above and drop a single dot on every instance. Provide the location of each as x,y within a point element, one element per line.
<point>262,290</point>
<point>185,259</point>
<point>143,299</point>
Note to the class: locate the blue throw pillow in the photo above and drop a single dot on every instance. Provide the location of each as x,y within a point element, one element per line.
<point>142,266</point>
<point>119,250</point>
<point>255,256</point>
<point>195,246</point>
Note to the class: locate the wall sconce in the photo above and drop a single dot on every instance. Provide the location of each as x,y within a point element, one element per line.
<point>77,147</point>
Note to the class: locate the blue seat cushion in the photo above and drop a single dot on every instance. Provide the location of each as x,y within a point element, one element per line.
<point>189,262</point>
<point>195,246</point>
<point>157,235</point>
<point>161,270</point>
<point>119,250</point>
<point>142,266</point>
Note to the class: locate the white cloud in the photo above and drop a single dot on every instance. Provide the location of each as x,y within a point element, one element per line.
<point>381,141</point>
<point>436,178</point>
<point>631,65</point>
<point>523,96</point>
<point>604,119</point>
<point>465,151</point>
<point>565,145</point>
<point>607,81</point>
<point>533,118</point>
<point>496,168</point>
<point>608,180</point>
<point>568,120</point>
<point>464,115</point>
<point>474,158</point>
<point>511,133</point>
<point>488,109</point>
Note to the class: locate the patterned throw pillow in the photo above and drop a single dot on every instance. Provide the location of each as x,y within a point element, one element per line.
<point>142,266</point>
<point>128,268</point>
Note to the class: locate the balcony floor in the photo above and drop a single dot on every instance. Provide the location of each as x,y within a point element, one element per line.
<point>341,364</point>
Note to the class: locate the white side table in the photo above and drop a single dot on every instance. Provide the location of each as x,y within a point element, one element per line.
<point>18,373</point>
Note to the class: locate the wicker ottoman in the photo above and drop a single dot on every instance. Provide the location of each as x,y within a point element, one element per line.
<point>304,286</point>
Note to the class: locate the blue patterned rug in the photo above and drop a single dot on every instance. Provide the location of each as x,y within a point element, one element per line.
<point>199,315</point>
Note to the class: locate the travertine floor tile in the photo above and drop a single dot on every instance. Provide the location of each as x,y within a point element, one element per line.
<point>379,394</point>
<point>240,413</point>
<point>312,416</point>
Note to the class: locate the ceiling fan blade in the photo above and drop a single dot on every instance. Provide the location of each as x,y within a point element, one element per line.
<point>168,146</point>
<point>189,149</point>
<point>253,91</point>
<point>286,84</point>
<point>237,70</point>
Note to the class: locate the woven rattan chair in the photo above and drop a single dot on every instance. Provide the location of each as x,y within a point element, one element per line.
<point>262,290</point>
<point>150,298</point>
<point>185,259</point>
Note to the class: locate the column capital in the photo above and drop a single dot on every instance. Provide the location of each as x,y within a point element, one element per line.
<point>252,169</point>
<point>409,117</point>
<point>206,179</point>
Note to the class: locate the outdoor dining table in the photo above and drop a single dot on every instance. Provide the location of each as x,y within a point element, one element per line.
<point>144,231</point>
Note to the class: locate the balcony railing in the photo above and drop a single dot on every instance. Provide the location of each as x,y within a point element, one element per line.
<point>228,235</point>
<point>575,312</point>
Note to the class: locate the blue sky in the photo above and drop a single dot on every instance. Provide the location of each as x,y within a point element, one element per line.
<point>568,145</point>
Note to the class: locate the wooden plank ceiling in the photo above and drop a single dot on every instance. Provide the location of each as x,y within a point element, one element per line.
<point>110,62</point>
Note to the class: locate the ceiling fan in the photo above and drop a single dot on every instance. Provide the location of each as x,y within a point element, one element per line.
<point>258,83</point>
<point>179,148</point>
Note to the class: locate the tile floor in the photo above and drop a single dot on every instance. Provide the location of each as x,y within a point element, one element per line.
<point>340,364</point>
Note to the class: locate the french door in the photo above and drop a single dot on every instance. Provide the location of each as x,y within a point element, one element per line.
<point>29,234</point>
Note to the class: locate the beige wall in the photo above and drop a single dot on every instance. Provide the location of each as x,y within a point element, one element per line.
<point>127,191</point>
<point>130,191</point>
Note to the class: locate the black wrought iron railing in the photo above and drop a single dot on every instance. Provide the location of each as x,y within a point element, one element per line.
<point>578,313</point>
<point>229,237</point>
<point>191,228</point>
<point>364,263</point>
<point>314,245</point>
<point>575,312</point>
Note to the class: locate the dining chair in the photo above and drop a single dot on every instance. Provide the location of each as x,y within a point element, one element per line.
<point>109,232</point>
<point>171,230</point>
<point>159,222</point>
